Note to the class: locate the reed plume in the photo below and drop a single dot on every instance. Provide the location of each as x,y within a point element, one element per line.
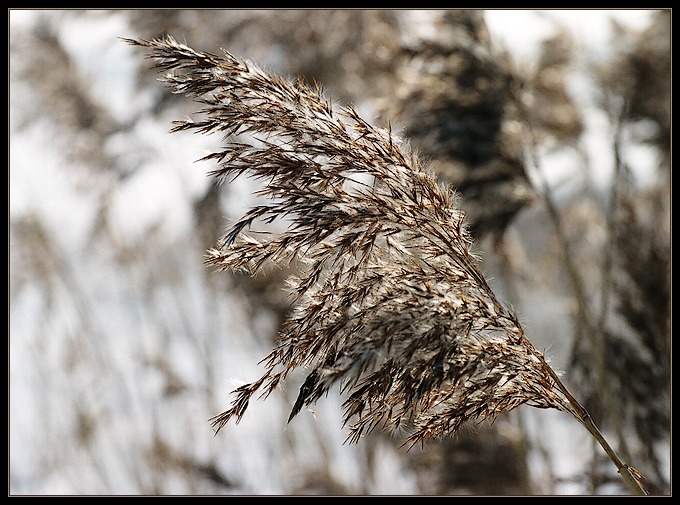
<point>388,302</point>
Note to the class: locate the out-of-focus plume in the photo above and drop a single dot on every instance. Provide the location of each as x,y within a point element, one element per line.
<point>456,105</point>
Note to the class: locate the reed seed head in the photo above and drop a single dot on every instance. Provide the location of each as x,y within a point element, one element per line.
<point>389,303</point>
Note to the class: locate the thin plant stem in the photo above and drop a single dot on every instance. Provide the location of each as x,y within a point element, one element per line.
<point>607,262</point>
<point>629,474</point>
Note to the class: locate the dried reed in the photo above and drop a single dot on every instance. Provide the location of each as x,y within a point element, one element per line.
<point>389,305</point>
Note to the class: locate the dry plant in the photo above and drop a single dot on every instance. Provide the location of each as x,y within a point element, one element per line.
<point>390,305</point>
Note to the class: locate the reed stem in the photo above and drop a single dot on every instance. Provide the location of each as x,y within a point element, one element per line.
<point>581,414</point>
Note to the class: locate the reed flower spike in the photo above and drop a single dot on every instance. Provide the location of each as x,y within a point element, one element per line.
<point>389,303</point>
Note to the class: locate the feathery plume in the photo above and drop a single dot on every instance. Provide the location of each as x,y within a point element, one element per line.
<point>389,305</point>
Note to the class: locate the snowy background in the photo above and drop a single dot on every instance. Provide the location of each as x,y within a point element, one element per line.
<point>122,344</point>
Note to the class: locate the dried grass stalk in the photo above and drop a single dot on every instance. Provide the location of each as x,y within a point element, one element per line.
<point>390,305</point>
